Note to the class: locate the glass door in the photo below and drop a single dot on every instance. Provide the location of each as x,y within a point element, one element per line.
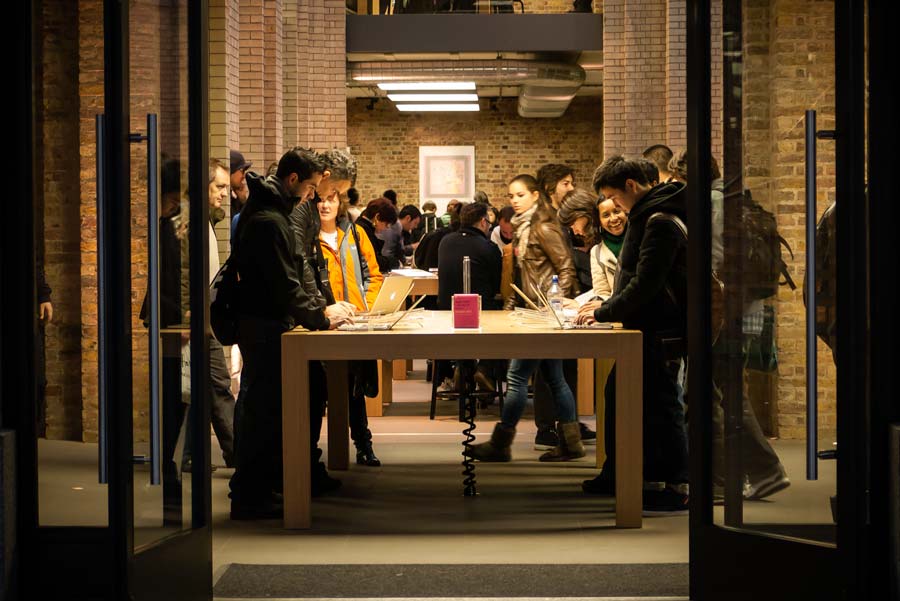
<point>779,139</point>
<point>117,133</point>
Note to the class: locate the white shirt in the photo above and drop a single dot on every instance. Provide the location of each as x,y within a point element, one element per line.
<point>330,239</point>
<point>213,254</point>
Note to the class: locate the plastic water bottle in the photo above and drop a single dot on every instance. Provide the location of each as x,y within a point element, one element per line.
<point>555,296</point>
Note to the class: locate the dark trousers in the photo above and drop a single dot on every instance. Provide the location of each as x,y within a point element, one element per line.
<point>221,404</point>
<point>544,405</point>
<point>359,422</point>
<point>221,401</point>
<point>257,442</point>
<point>757,455</point>
<point>665,436</point>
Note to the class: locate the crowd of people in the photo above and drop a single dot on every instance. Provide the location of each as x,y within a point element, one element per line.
<point>309,254</point>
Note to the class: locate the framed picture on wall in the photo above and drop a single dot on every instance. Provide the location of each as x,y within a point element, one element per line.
<point>445,173</point>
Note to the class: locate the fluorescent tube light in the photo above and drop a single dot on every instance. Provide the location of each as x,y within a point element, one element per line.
<point>433,97</point>
<point>427,85</point>
<point>408,108</point>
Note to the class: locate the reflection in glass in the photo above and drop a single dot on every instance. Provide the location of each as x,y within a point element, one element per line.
<point>759,247</point>
<point>67,76</point>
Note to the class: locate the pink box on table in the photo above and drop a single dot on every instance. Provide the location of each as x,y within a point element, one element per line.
<point>467,311</point>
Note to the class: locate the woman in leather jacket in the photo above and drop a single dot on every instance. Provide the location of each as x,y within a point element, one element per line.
<point>540,251</point>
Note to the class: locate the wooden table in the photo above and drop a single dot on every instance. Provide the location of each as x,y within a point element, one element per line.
<point>500,337</point>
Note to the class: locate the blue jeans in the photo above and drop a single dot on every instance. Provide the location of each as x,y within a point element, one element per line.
<point>520,371</point>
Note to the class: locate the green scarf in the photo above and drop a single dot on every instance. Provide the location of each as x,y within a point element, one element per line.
<point>613,242</point>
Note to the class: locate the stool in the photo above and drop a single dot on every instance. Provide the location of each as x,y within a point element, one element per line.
<point>441,369</point>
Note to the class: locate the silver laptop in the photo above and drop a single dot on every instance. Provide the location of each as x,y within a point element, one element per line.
<point>387,323</point>
<point>393,293</point>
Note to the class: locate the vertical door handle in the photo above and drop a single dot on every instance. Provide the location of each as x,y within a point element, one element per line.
<point>153,296</point>
<point>100,131</point>
<point>812,366</point>
<point>812,409</point>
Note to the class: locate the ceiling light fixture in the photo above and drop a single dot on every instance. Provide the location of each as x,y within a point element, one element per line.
<point>433,97</point>
<point>427,85</point>
<point>435,108</point>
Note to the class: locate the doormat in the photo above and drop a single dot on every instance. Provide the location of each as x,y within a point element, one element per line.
<point>251,581</point>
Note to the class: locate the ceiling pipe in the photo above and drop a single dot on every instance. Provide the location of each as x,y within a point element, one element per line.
<point>545,88</point>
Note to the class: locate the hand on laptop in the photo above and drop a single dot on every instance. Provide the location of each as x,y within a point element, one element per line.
<point>340,309</point>
<point>586,313</point>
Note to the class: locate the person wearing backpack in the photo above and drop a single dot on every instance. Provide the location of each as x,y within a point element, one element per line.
<point>650,295</point>
<point>275,292</point>
<point>764,474</point>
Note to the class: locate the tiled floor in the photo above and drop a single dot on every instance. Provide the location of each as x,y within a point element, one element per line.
<point>411,510</point>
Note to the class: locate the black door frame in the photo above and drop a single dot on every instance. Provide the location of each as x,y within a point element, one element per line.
<point>882,546</point>
<point>721,557</point>
<point>100,562</point>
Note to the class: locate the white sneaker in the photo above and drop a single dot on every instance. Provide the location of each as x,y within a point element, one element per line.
<point>447,386</point>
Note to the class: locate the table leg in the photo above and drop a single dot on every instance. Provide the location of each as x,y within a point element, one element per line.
<point>601,375</point>
<point>338,415</point>
<point>295,435</point>
<point>385,383</point>
<point>629,434</point>
<point>585,393</point>
<point>399,369</point>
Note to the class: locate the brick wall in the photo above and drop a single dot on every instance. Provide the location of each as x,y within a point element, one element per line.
<point>790,69</point>
<point>61,220</point>
<point>386,143</point>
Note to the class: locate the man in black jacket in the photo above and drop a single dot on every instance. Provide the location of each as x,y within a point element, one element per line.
<point>485,267</point>
<point>276,292</point>
<point>650,296</point>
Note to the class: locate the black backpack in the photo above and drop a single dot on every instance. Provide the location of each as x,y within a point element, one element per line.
<point>223,296</point>
<point>762,265</point>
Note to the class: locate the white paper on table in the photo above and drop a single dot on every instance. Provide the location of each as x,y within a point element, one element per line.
<point>413,273</point>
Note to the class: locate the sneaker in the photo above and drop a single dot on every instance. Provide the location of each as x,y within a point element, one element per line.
<point>588,436</point>
<point>767,486</point>
<point>447,386</point>
<point>546,440</point>
<point>665,502</point>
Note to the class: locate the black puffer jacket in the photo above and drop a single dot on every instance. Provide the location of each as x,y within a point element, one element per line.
<point>651,284</point>
<point>276,283</point>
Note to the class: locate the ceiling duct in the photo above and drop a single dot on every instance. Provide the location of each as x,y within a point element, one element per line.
<point>545,88</point>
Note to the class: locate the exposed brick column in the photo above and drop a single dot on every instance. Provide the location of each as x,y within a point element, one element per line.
<point>224,96</point>
<point>62,219</point>
<point>676,74</point>
<point>292,74</point>
<point>90,91</point>
<point>645,75</point>
<point>635,78</point>
<point>261,91</point>
<point>322,69</point>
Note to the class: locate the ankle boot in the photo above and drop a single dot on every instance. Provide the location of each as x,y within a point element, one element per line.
<point>497,448</point>
<point>570,445</point>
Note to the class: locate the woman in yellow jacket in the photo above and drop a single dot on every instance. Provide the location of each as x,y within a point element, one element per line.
<point>351,275</point>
